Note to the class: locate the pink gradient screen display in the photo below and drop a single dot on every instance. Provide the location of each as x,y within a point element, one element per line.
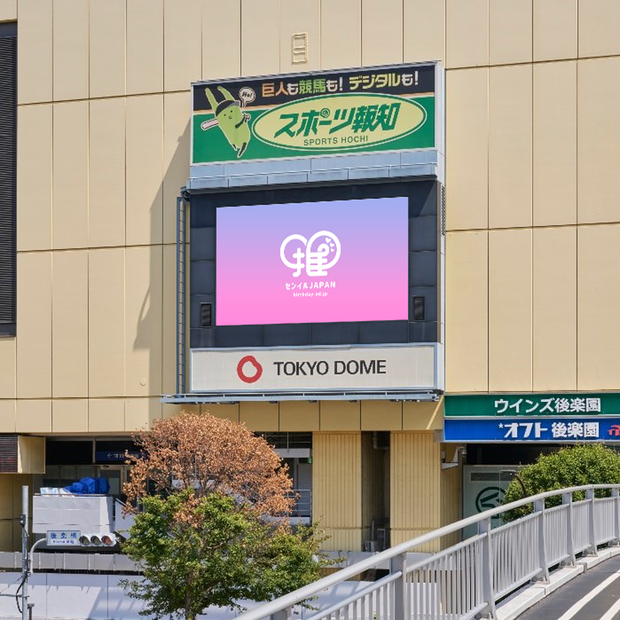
<point>319,262</point>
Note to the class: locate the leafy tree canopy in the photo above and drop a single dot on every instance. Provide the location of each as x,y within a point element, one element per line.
<point>213,527</point>
<point>568,467</point>
<point>202,551</point>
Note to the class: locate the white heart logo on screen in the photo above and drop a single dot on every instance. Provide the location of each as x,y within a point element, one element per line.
<point>315,260</point>
<point>249,363</point>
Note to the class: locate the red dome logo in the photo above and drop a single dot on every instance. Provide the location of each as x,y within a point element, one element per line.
<point>258,369</point>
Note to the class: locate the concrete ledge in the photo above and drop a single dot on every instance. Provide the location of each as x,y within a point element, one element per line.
<point>519,602</point>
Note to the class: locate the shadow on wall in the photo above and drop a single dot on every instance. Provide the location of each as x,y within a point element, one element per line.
<point>155,334</point>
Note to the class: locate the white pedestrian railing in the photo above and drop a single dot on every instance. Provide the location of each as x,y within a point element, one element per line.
<point>469,578</point>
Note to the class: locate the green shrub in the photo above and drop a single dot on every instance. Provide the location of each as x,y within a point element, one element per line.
<point>568,467</point>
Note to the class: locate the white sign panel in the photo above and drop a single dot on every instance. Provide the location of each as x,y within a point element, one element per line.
<point>63,538</point>
<point>409,367</point>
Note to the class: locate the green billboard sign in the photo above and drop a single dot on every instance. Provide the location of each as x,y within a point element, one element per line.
<point>531,405</point>
<point>301,115</point>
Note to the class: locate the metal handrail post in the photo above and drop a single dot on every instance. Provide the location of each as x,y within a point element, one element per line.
<point>399,564</point>
<point>591,530</point>
<point>616,496</point>
<point>539,507</point>
<point>567,500</point>
<point>484,529</point>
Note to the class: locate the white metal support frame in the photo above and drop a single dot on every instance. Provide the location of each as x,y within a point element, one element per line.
<point>466,580</point>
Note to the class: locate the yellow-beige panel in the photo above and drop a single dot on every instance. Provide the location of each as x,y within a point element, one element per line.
<point>598,140</point>
<point>70,57</point>
<point>34,50</point>
<point>7,416</point>
<point>144,169</point>
<point>106,181</point>
<point>554,309</point>
<point>70,324</point>
<point>8,363</point>
<point>143,320</point>
<point>221,39</point>
<point>70,415</point>
<point>599,28</point>
<point>106,336</point>
<point>34,325</point>
<point>467,311</point>
<point>510,310</point>
<point>34,161</point>
<point>176,157</point>
<point>8,10</point>
<point>555,29</point>
<point>555,143</point>
<point>467,32</point>
<point>11,508</point>
<point>169,320</point>
<point>300,17</point>
<point>107,47</point>
<point>337,488</point>
<point>260,37</point>
<point>382,32</point>
<point>510,31</point>
<point>598,328</point>
<point>415,486</point>
<point>106,415</point>
<point>145,47</point>
<point>299,416</point>
<point>341,33</point>
<point>142,413</point>
<point>467,166</point>
<point>182,44</point>
<point>424,30</point>
<point>33,416</point>
<point>510,146</point>
<point>70,177</point>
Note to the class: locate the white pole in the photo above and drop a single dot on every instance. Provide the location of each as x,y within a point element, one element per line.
<point>25,566</point>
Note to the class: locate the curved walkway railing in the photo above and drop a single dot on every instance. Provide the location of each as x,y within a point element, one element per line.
<point>468,579</point>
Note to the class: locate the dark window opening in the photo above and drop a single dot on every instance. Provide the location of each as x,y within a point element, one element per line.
<point>8,176</point>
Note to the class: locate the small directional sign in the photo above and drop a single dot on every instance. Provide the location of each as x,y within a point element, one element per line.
<point>63,538</point>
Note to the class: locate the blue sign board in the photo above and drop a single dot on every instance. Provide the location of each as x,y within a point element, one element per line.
<point>561,430</point>
<point>63,538</point>
<point>109,456</point>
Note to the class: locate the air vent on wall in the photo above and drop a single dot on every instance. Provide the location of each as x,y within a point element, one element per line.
<point>206,314</point>
<point>418,308</point>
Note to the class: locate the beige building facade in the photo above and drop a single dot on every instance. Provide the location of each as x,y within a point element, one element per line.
<point>532,222</point>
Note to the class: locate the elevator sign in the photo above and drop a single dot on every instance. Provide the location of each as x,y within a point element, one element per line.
<point>389,368</point>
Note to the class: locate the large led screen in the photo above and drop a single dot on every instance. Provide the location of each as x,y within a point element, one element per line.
<point>319,262</point>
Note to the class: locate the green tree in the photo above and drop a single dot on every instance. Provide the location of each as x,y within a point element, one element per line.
<point>200,551</point>
<point>568,467</point>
